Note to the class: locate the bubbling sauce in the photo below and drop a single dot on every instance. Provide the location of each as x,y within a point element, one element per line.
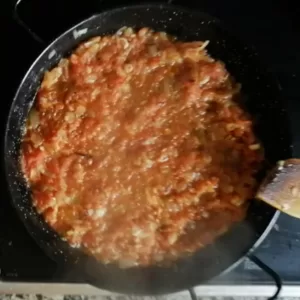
<point>137,149</point>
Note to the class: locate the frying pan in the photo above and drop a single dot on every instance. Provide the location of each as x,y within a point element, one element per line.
<point>261,97</point>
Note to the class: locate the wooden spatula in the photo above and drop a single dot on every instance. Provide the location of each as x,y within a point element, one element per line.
<point>281,187</point>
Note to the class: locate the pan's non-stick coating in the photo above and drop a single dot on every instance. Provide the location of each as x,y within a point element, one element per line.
<point>261,98</point>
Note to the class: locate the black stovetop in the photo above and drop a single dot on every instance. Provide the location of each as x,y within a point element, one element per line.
<point>271,26</point>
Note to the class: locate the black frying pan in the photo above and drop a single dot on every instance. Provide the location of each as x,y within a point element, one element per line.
<point>261,99</point>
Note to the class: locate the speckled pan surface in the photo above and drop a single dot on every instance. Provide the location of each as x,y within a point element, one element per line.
<point>261,99</point>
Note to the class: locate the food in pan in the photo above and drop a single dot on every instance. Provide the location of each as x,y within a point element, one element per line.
<point>137,149</point>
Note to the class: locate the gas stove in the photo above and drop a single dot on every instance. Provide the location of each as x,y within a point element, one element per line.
<point>271,26</point>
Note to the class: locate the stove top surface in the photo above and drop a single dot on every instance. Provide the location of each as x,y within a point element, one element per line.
<point>271,26</point>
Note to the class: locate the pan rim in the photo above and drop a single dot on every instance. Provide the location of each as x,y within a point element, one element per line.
<point>78,25</point>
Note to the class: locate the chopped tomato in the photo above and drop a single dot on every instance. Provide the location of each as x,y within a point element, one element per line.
<point>140,152</point>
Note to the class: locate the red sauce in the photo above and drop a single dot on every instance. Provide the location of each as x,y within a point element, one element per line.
<point>137,150</point>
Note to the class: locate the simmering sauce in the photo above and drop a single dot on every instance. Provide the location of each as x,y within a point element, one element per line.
<point>137,149</point>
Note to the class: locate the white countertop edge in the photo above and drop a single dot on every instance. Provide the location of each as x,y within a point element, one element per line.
<point>203,290</point>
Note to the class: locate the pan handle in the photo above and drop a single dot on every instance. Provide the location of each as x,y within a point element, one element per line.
<point>19,20</point>
<point>269,271</point>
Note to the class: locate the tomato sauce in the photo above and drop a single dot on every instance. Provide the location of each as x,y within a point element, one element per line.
<point>137,149</point>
